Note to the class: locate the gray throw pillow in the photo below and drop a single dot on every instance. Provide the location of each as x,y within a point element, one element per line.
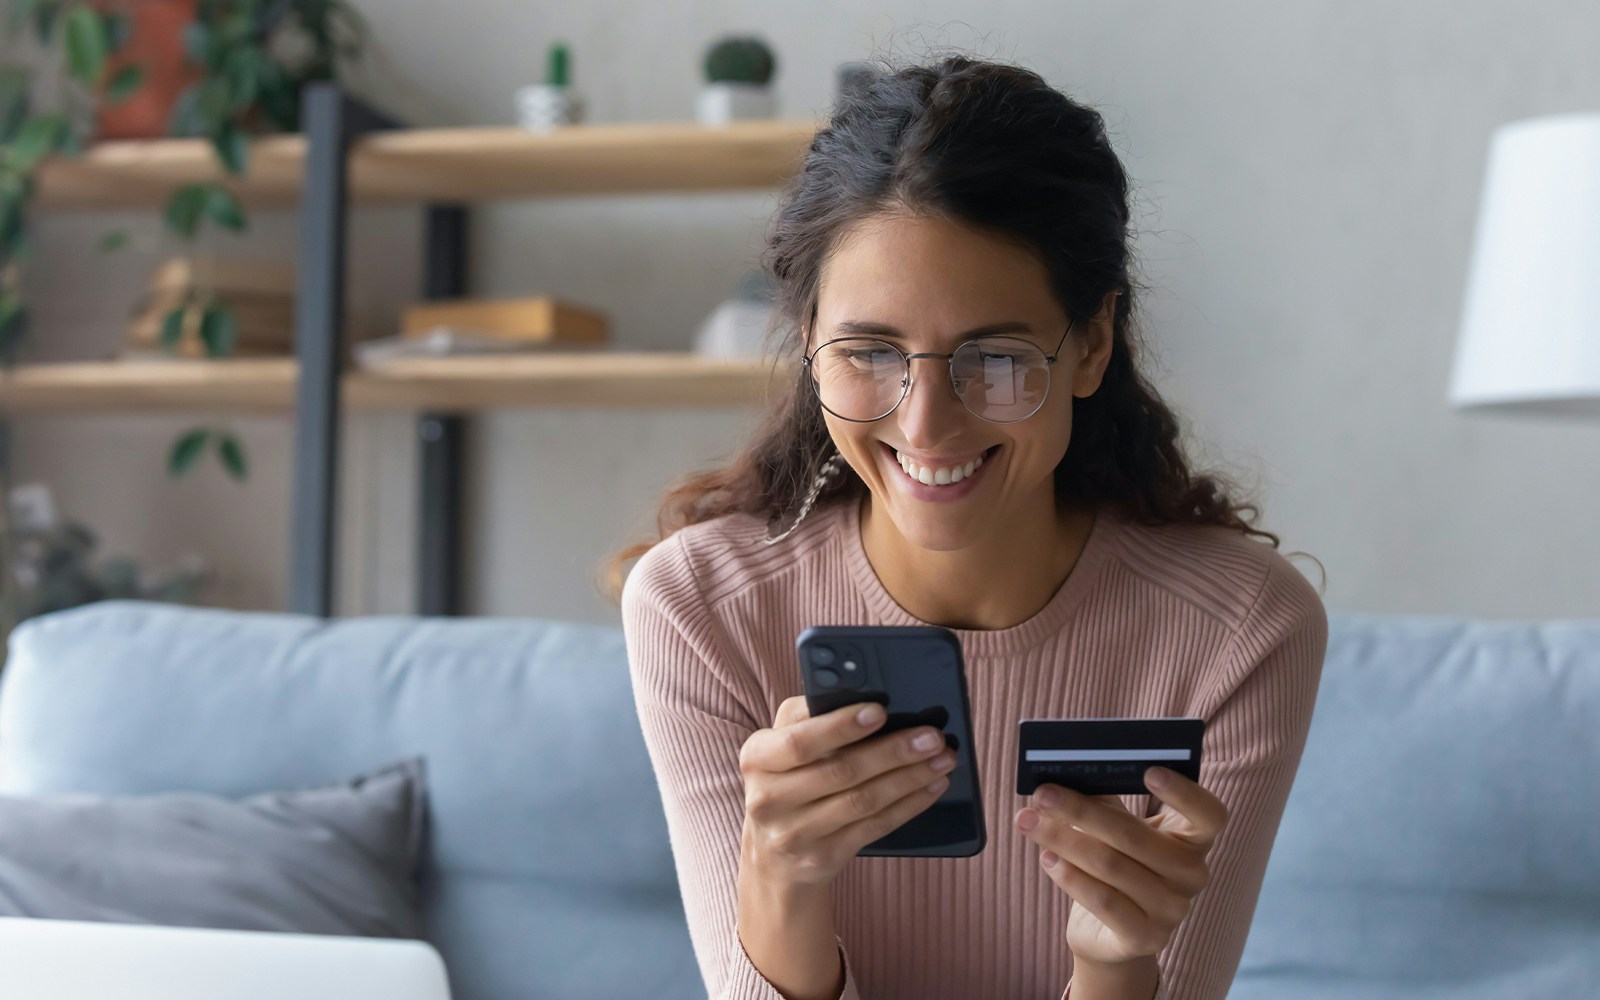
<point>336,860</point>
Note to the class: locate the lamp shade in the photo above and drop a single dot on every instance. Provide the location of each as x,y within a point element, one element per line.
<point>1530,327</point>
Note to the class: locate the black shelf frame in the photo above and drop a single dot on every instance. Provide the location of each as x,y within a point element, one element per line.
<point>332,119</point>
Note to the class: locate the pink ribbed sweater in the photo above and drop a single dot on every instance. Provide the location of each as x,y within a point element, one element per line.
<point>1168,621</point>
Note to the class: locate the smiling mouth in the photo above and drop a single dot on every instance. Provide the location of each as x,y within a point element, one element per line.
<point>947,475</point>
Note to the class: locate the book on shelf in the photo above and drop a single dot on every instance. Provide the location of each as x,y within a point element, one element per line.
<point>539,320</point>
<point>444,342</point>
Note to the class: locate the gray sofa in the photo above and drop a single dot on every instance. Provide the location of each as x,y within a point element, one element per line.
<point>1442,840</point>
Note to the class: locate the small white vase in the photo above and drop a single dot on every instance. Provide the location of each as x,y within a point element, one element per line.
<point>721,103</point>
<point>542,107</point>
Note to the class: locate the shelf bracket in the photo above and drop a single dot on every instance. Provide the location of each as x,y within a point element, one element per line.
<point>330,119</point>
<point>441,436</point>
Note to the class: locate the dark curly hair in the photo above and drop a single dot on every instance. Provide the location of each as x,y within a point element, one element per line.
<point>993,147</point>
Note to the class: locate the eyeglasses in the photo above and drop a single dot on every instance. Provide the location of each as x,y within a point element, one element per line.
<point>1000,379</point>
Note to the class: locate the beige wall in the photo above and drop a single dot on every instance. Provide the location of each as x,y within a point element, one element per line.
<point>1308,175</point>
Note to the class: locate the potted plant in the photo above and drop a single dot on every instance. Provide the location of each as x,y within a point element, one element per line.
<point>738,82</point>
<point>50,565</point>
<point>247,62</point>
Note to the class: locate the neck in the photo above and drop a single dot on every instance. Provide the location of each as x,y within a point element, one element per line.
<point>1000,582</point>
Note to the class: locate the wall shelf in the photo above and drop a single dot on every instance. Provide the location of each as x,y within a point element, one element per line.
<point>347,154</point>
<point>457,385</point>
<point>456,165</point>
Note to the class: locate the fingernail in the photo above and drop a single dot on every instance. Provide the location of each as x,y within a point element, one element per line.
<point>1049,859</point>
<point>1048,796</point>
<point>1157,777</point>
<point>870,716</point>
<point>926,741</point>
<point>1027,819</point>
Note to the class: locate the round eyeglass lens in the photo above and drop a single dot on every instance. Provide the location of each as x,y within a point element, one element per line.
<point>858,379</point>
<point>1000,379</point>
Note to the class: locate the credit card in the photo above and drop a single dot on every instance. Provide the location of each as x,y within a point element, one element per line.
<point>1105,756</point>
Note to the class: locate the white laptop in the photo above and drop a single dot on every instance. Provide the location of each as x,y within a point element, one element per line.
<point>72,960</point>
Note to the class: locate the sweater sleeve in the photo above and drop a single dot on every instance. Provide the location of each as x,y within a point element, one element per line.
<point>697,706</point>
<point>1254,739</point>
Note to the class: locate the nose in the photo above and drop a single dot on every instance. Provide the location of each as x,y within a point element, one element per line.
<point>931,413</point>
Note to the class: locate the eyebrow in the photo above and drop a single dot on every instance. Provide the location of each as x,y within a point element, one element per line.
<point>885,330</point>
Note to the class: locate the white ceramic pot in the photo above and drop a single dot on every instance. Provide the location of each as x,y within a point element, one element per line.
<point>735,329</point>
<point>721,103</point>
<point>541,107</point>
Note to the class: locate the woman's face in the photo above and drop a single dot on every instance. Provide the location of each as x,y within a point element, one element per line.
<point>928,283</point>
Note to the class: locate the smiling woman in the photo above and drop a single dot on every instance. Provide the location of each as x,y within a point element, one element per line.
<point>967,441</point>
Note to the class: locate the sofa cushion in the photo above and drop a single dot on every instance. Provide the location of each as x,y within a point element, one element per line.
<point>335,860</point>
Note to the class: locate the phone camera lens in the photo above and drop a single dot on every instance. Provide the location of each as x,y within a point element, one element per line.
<point>822,656</point>
<point>825,677</point>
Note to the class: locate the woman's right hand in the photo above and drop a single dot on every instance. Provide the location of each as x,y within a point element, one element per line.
<point>816,791</point>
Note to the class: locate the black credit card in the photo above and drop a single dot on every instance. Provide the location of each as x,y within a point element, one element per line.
<point>1105,756</point>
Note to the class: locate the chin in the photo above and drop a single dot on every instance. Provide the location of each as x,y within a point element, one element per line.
<point>934,531</point>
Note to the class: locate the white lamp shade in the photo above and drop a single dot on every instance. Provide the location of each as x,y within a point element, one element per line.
<point>1530,329</point>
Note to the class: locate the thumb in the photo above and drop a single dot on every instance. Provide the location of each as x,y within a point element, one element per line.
<point>790,711</point>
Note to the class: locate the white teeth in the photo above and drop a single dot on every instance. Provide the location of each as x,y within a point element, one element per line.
<point>938,477</point>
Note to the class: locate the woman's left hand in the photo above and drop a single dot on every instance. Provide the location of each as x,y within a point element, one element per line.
<point>1133,879</point>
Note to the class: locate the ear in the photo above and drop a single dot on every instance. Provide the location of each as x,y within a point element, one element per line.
<point>1098,338</point>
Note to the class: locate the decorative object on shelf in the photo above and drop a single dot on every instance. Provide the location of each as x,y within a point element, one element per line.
<point>553,103</point>
<point>738,82</point>
<point>154,48</point>
<point>528,321</point>
<point>208,307</point>
<point>440,342</point>
<point>738,327</point>
<point>50,565</point>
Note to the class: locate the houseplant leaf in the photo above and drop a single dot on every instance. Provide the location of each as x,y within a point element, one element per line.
<point>233,150</point>
<point>14,102</point>
<point>186,207</point>
<point>13,321</point>
<point>87,45</point>
<point>186,451</point>
<point>38,138</point>
<point>123,83</point>
<point>172,329</point>
<point>223,208</point>
<point>231,451</point>
<point>218,330</point>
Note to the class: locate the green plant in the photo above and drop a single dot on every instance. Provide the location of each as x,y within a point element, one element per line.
<point>28,133</point>
<point>254,57</point>
<point>739,60</point>
<point>54,568</point>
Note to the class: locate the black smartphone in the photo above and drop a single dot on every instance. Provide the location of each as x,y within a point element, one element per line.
<point>916,673</point>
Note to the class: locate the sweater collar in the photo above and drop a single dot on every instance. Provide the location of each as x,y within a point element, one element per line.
<point>1048,621</point>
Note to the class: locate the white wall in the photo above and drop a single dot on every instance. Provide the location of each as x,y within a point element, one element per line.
<point>1308,177</point>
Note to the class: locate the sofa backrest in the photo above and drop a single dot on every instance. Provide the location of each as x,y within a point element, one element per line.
<point>1443,834</point>
<point>549,874</point>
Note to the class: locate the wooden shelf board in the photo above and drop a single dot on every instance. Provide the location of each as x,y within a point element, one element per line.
<point>449,164</point>
<point>245,385</point>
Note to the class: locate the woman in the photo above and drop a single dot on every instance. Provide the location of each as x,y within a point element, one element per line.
<point>968,443</point>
